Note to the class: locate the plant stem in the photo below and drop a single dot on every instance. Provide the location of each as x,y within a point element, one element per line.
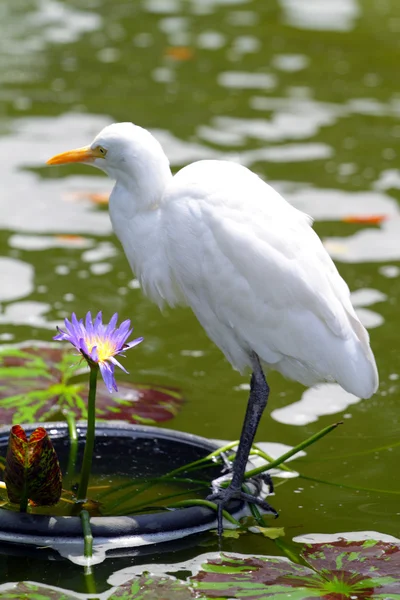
<point>89,446</point>
<point>71,422</point>
<point>23,505</point>
<point>87,534</point>
<point>73,441</point>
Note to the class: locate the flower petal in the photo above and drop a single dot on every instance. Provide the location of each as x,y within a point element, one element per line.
<point>111,325</point>
<point>98,342</point>
<point>89,323</point>
<point>94,355</point>
<point>123,328</point>
<point>120,339</point>
<point>107,372</point>
<point>83,346</point>
<point>133,343</point>
<point>115,362</point>
<point>98,322</point>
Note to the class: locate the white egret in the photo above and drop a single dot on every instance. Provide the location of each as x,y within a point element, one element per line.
<point>217,238</point>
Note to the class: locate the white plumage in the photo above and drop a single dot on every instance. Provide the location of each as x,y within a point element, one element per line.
<point>217,238</point>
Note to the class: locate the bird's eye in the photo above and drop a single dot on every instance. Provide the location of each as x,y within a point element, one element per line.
<point>102,151</point>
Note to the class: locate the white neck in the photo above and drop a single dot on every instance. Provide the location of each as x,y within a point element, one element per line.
<point>136,214</point>
<point>144,174</point>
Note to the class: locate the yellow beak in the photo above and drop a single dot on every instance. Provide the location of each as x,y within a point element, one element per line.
<point>79,155</point>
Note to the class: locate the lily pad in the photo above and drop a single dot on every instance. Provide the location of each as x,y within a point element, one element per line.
<point>254,578</point>
<point>148,587</point>
<point>32,591</point>
<point>338,571</point>
<point>38,381</point>
<point>367,569</point>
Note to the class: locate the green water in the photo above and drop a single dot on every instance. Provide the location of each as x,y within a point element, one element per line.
<point>306,94</point>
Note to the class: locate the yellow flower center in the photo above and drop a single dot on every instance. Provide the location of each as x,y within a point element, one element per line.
<point>105,348</point>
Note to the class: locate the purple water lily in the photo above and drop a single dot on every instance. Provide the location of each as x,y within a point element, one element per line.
<point>99,343</point>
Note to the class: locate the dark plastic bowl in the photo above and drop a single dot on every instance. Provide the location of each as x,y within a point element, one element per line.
<point>65,532</point>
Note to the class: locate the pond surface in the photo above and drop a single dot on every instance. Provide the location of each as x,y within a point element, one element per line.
<point>303,92</point>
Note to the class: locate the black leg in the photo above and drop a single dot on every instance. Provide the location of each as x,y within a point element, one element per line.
<point>258,398</point>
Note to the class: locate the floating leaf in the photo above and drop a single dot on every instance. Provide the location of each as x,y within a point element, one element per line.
<point>230,533</point>
<point>148,587</point>
<point>32,468</point>
<point>375,563</point>
<point>272,533</point>
<point>38,381</point>
<point>31,591</point>
<point>256,577</point>
<point>338,571</point>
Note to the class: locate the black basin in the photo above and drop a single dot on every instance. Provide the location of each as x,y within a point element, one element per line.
<point>129,450</point>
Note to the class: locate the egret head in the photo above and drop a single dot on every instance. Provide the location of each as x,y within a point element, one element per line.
<point>126,152</point>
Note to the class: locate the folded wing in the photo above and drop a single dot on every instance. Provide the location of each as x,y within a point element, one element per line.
<point>258,279</point>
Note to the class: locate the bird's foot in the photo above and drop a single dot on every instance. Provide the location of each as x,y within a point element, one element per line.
<point>222,496</point>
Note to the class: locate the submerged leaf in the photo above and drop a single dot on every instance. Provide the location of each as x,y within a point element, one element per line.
<point>138,403</point>
<point>38,381</point>
<point>32,468</point>
<point>31,381</point>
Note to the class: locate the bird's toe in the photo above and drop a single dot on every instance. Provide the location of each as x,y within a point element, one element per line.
<point>223,496</point>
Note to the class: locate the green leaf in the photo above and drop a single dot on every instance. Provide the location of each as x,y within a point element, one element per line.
<point>31,380</point>
<point>38,381</point>
<point>149,587</point>
<point>32,468</point>
<point>364,565</point>
<point>338,571</point>
<point>231,533</point>
<point>32,591</point>
<point>253,578</point>
<point>271,533</point>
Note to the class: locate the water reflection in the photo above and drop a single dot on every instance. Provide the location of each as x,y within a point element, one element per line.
<point>368,245</point>
<point>337,15</point>
<point>42,205</point>
<point>45,242</point>
<point>323,399</point>
<point>16,279</point>
<point>32,26</point>
<point>30,313</point>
